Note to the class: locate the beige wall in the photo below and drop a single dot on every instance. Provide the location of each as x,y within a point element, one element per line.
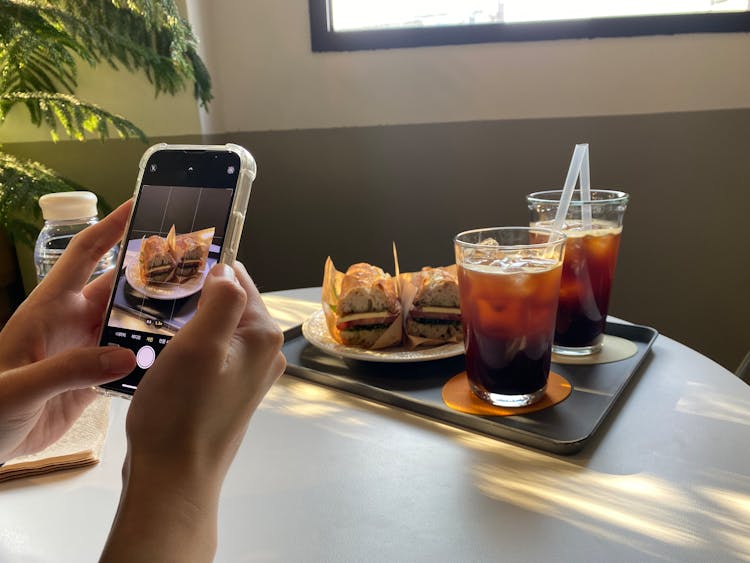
<point>268,79</point>
<point>119,92</point>
<point>123,93</point>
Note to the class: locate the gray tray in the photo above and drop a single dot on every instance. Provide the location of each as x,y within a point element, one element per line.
<point>564,428</point>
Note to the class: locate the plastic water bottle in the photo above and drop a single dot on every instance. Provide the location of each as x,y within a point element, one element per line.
<point>65,215</point>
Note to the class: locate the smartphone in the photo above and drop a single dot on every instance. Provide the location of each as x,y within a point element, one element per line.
<point>188,213</point>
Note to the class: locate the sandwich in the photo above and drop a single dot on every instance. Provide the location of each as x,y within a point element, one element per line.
<point>368,312</point>
<point>157,265</point>
<point>174,258</point>
<point>190,251</point>
<point>435,312</point>
<point>189,256</point>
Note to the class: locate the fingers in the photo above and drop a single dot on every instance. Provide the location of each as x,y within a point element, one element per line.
<point>222,304</point>
<point>255,305</point>
<point>223,361</point>
<point>232,314</point>
<point>98,291</point>
<point>73,369</point>
<point>78,261</point>
<point>257,329</point>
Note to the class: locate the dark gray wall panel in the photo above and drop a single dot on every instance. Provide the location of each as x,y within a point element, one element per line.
<point>684,266</point>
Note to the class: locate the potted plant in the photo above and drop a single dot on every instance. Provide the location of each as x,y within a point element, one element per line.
<point>41,45</point>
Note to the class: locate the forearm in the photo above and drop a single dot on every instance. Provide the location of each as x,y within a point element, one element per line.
<point>164,516</point>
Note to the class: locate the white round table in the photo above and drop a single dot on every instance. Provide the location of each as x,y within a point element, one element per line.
<point>325,476</point>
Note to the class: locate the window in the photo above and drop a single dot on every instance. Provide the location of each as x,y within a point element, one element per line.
<point>346,25</point>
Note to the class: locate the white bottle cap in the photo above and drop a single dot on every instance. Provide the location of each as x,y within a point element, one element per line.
<point>65,206</point>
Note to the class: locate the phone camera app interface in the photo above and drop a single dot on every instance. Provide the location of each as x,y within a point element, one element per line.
<point>175,238</point>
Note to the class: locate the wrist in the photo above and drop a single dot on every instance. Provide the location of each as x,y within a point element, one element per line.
<point>164,514</point>
<point>175,481</point>
<point>189,465</point>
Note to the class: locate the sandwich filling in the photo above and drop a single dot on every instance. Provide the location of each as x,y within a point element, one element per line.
<point>436,315</point>
<point>379,319</point>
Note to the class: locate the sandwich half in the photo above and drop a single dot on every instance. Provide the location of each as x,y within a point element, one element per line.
<point>189,255</point>
<point>190,251</point>
<point>435,312</point>
<point>368,306</point>
<point>157,265</point>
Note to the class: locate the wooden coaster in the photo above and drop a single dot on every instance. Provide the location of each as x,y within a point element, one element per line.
<point>613,349</point>
<point>458,395</point>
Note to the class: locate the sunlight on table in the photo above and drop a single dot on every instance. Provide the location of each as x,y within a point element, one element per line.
<point>644,511</point>
<point>287,312</point>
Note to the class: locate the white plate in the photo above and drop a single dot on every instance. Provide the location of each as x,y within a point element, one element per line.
<point>315,330</point>
<point>167,290</point>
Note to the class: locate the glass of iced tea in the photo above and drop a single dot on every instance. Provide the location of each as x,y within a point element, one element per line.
<point>593,229</point>
<point>509,280</point>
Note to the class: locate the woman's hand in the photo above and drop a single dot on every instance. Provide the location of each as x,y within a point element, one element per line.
<point>187,419</point>
<point>192,407</point>
<point>49,358</point>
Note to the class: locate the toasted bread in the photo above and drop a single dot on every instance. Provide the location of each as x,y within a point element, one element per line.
<point>435,312</point>
<point>365,289</point>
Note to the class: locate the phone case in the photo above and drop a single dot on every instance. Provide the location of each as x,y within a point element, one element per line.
<point>247,174</point>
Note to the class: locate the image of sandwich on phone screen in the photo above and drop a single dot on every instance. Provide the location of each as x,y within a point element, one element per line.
<point>188,213</point>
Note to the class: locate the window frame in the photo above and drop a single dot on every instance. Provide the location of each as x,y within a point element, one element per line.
<point>324,38</point>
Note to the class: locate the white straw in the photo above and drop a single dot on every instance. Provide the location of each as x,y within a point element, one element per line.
<point>570,182</point>
<point>585,191</point>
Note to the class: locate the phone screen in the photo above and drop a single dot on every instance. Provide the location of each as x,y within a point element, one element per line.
<point>176,234</point>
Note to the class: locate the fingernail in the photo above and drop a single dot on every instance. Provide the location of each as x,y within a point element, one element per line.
<point>223,271</point>
<point>117,360</point>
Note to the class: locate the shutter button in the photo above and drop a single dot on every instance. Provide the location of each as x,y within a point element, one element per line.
<point>145,357</point>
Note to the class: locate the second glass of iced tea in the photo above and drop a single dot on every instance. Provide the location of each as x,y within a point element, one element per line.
<point>593,229</point>
<point>509,281</point>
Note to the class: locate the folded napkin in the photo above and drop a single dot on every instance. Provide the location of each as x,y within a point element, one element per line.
<point>80,446</point>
